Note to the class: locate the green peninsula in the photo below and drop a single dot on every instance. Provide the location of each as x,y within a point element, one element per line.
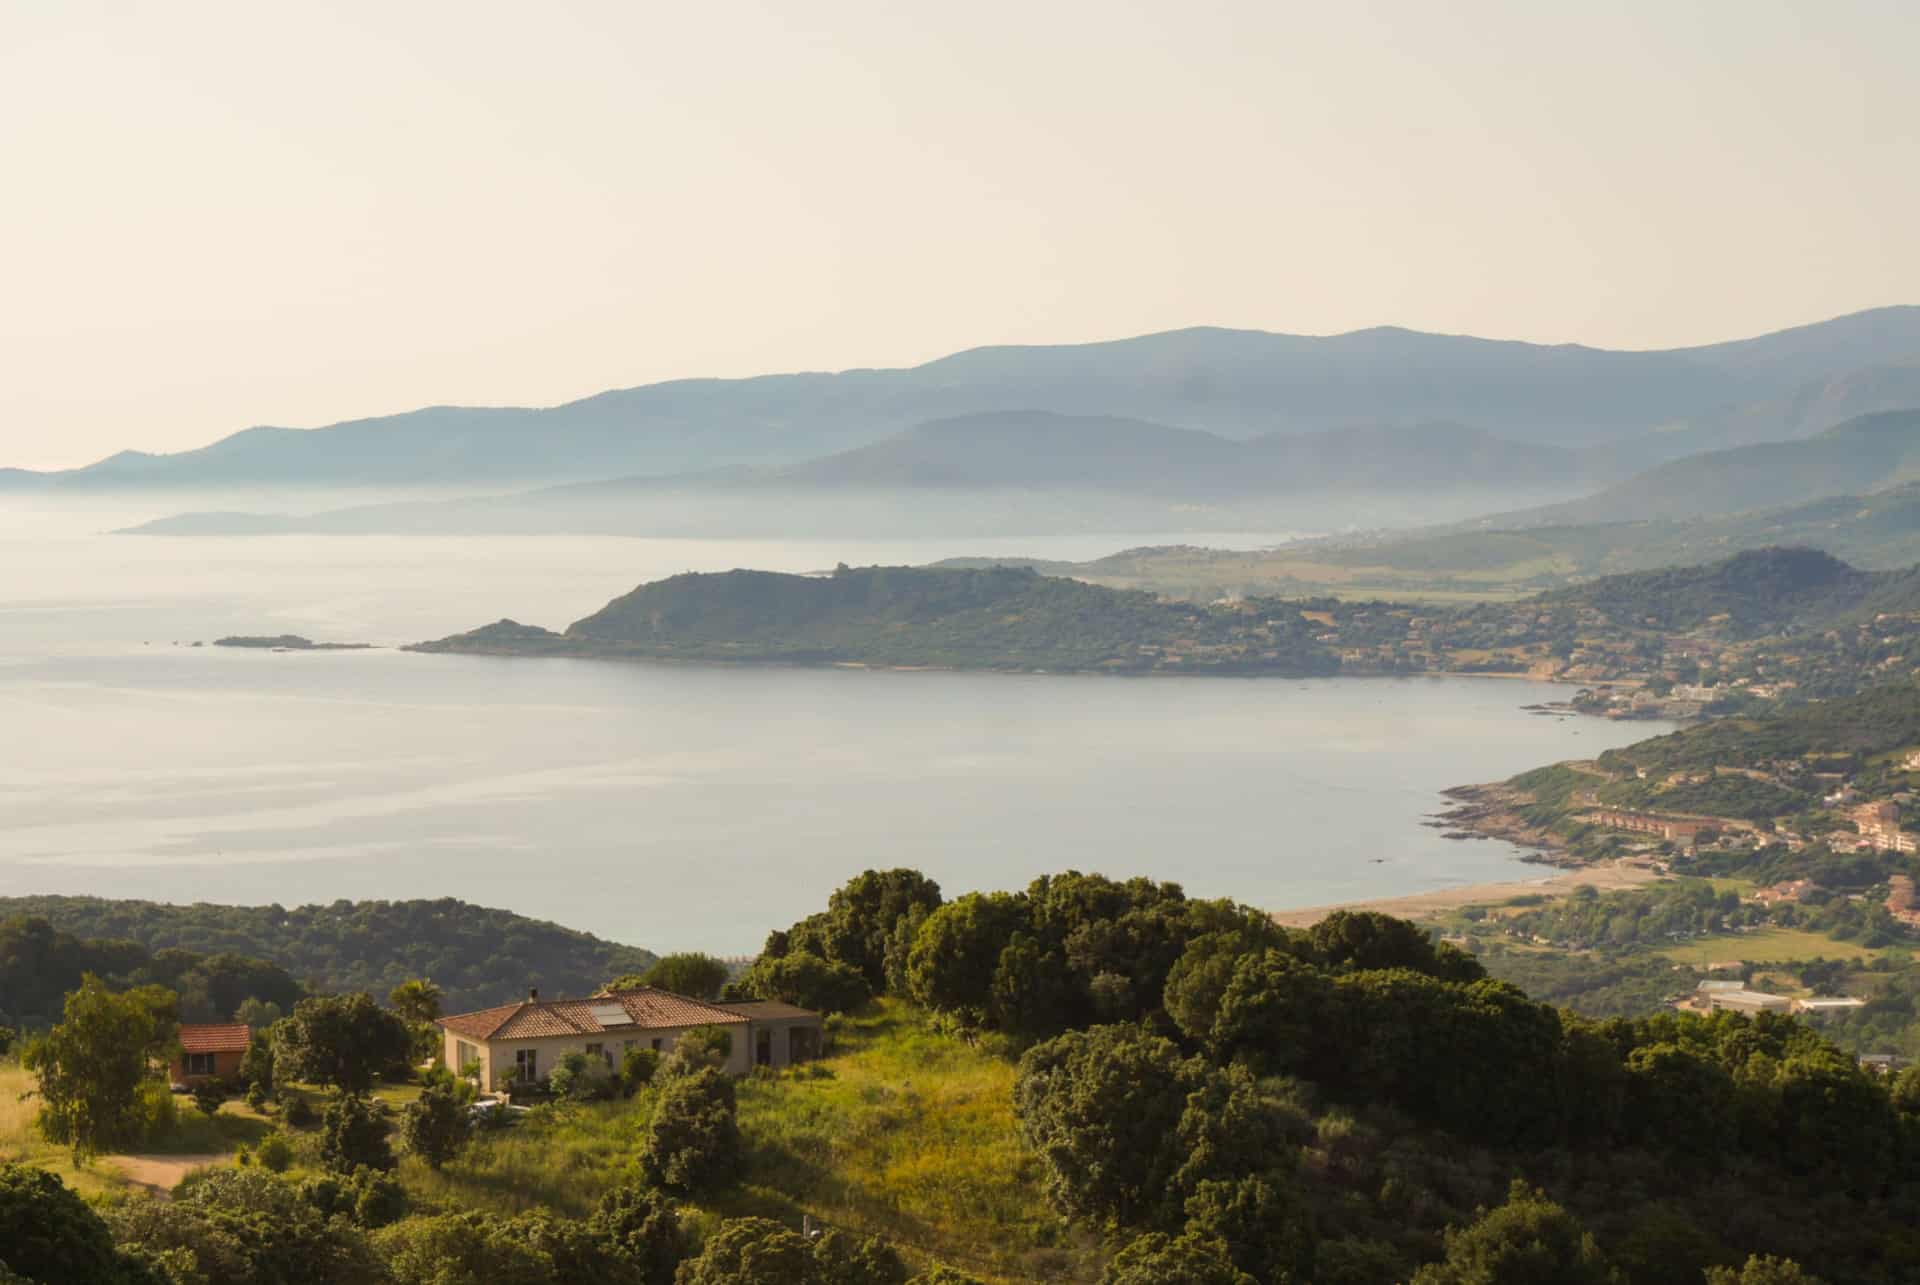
<point>995,618</point>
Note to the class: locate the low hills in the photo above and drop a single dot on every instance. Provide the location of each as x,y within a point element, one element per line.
<point>1010,471</point>
<point>477,955</point>
<point>990,618</point>
<point>1762,591</point>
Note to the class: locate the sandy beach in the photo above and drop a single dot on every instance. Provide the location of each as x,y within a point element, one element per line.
<point>1609,877</point>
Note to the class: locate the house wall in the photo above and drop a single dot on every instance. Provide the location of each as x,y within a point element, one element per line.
<point>781,1039</point>
<point>226,1066</point>
<point>499,1056</point>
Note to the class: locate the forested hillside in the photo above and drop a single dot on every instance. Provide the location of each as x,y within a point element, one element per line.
<point>1086,1080</point>
<point>476,955</point>
<point>40,964</point>
<point>990,618</point>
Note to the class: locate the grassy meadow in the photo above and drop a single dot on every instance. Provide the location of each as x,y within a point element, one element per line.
<point>900,1131</point>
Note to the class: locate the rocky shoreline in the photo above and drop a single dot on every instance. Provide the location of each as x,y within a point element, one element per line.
<point>1492,811</point>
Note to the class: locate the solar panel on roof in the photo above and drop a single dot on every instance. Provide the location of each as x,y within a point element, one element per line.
<point>611,1014</point>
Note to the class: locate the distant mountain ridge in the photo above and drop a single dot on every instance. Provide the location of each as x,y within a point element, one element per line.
<point>1031,465</point>
<point>1864,454</point>
<point>1236,383</point>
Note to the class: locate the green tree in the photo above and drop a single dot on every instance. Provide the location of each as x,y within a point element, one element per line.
<point>354,1134</point>
<point>1199,979</point>
<point>1763,1271</point>
<point>951,965</point>
<point>688,973</point>
<point>702,1048</point>
<point>1366,940</point>
<point>843,1259</point>
<point>366,1197</point>
<point>804,978</point>
<point>7,1036</point>
<point>164,1007</point>
<point>340,1041</point>
<point>1157,1259</point>
<point>638,1066</point>
<point>258,1014</point>
<point>864,914</point>
<point>209,1095</point>
<point>750,1251</point>
<point>1275,1013</point>
<point>693,1140</point>
<point>943,1275</point>
<point>49,1234</point>
<point>256,1064</point>
<point>1527,1241</point>
<point>90,1068</point>
<point>245,1225</point>
<point>1262,1222</point>
<point>417,1000</point>
<point>642,1228</point>
<point>463,1249</point>
<point>1104,1110</point>
<point>434,1125</point>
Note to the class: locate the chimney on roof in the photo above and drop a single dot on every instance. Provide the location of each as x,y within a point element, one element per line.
<point>533,994</point>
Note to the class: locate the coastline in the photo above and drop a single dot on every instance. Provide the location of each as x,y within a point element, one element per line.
<point>1612,876</point>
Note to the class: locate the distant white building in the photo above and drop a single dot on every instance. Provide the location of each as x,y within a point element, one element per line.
<point>1827,1006</point>
<point>1746,1001</point>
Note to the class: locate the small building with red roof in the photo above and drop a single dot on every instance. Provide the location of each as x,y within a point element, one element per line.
<point>524,1042</point>
<point>210,1051</point>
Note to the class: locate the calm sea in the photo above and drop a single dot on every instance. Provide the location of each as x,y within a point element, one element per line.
<point>667,806</point>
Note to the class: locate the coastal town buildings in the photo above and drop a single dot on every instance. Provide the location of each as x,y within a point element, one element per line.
<point>1879,824</point>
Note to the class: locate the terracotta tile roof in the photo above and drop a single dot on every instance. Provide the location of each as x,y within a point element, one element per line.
<point>768,1010</point>
<point>206,1038</point>
<point>647,1008</point>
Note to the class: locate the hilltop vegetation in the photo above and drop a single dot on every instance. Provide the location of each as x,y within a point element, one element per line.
<point>1086,1080</point>
<point>478,956</point>
<point>1744,630</point>
<point>993,618</point>
<point>39,964</point>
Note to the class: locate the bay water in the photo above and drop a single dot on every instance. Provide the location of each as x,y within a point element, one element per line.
<point>669,806</point>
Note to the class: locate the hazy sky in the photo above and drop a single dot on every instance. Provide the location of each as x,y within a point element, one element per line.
<point>222,214</point>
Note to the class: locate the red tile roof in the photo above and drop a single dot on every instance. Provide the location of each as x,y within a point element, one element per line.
<point>208,1038</point>
<point>647,1007</point>
<point>768,1010</point>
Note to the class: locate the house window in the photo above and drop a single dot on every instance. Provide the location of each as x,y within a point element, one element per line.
<point>200,1064</point>
<point>627,1046</point>
<point>527,1063</point>
<point>464,1054</point>
<point>657,1044</point>
<point>599,1051</point>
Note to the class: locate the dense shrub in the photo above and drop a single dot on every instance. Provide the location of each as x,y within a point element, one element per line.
<point>48,1234</point>
<point>693,1141</point>
<point>642,1228</point>
<point>435,1126</point>
<point>355,1134</point>
<point>804,978</point>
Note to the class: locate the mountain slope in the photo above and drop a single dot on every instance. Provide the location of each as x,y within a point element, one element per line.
<point>1861,455</point>
<point>1012,471</point>
<point>1037,449</point>
<point>1234,382</point>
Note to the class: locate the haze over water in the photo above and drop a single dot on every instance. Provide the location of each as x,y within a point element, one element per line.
<point>667,806</point>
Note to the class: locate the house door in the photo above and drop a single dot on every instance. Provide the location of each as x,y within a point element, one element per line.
<point>763,1048</point>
